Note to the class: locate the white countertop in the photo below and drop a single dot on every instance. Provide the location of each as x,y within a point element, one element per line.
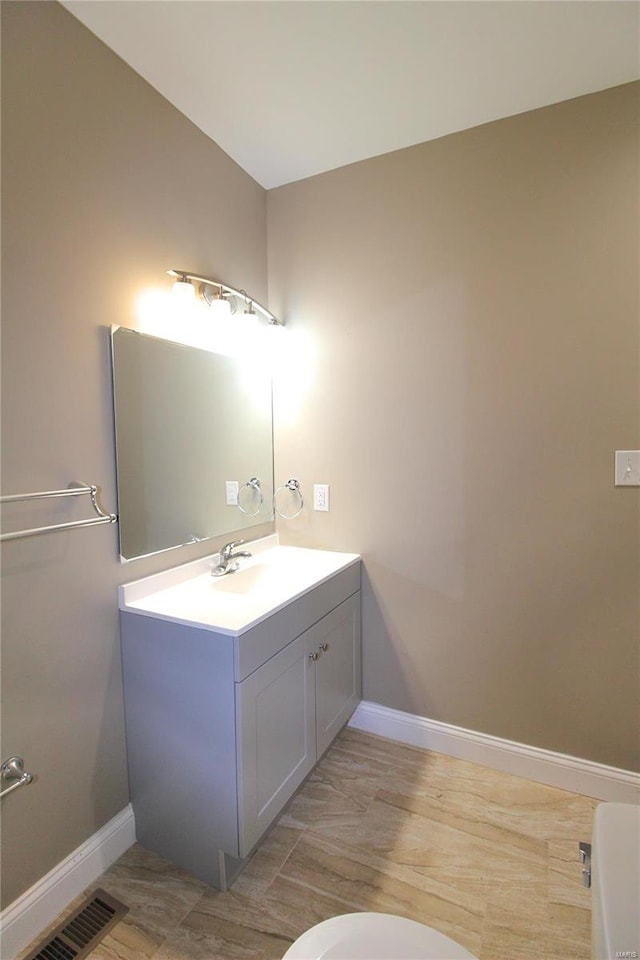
<point>272,578</point>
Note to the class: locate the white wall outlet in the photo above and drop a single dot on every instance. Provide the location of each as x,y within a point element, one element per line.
<point>232,489</point>
<point>627,472</point>
<point>321,496</point>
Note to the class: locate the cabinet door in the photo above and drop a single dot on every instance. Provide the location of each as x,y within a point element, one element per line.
<point>275,740</point>
<point>336,640</point>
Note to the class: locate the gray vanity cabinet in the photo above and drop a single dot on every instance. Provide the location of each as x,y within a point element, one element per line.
<point>221,730</point>
<point>289,711</point>
<point>276,738</point>
<point>336,642</point>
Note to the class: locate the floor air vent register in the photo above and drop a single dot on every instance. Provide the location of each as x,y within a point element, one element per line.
<point>78,934</point>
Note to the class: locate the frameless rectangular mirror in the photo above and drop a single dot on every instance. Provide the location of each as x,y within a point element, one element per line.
<point>189,423</point>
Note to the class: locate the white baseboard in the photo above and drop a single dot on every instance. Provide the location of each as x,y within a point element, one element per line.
<point>544,766</point>
<point>27,916</point>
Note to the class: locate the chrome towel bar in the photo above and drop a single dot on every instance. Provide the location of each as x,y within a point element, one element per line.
<point>13,769</point>
<point>74,489</point>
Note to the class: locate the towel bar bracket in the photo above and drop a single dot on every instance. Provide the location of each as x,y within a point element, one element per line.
<point>13,769</point>
<point>74,489</point>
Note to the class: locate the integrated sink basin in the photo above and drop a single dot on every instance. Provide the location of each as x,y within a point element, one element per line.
<point>251,580</point>
<point>270,579</point>
<point>278,571</point>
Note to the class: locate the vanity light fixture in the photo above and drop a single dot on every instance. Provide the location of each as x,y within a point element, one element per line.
<point>183,290</point>
<point>223,299</point>
<point>219,305</point>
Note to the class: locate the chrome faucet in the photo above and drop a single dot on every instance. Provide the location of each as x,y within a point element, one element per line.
<point>228,562</point>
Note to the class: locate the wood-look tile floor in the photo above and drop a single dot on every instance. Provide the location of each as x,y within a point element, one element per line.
<point>489,859</point>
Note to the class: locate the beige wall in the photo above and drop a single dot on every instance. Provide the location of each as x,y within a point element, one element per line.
<point>104,187</point>
<point>474,305</point>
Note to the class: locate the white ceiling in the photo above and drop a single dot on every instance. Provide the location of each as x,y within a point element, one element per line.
<point>291,88</point>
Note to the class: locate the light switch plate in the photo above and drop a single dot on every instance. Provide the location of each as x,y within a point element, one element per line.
<point>232,488</point>
<point>321,496</point>
<point>627,468</point>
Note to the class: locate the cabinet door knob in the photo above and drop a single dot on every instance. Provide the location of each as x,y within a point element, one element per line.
<point>324,647</point>
<point>313,656</point>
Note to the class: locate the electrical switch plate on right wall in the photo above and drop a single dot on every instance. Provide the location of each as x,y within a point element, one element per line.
<point>627,469</point>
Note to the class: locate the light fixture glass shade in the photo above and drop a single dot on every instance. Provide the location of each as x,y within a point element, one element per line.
<point>220,308</point>
<point>184,291</point>
<point>247,321</point>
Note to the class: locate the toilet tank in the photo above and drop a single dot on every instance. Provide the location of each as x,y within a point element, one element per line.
<point>615,881</point>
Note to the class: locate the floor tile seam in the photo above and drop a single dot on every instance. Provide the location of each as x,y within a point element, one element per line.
<point>361,853</point>
<point>504,816</point>
<point>278,873</point>
<point>348,771</point>
<point>392,746</point>
<point>252,923</point>
<point>180,916</point>
<point>156,951</point>
<point>354,852</point>
<point>446,796</point>
<point>557,951</point>
<point>576,837</point>
<point>199,935</point>
<point>555,900</point>
<point>137,925</point>
<point>390,757</point>
<point>360,765</point>
<point>516,831</point>
<point>552,943</point>
<point>563,881</point>
<point>551,872</point>
<point>338,791</point>
<point>196,936</point>
<point>256,911</point>
<point>558,883</point>
<point>123,887</point>
<point>385,863</point>
<point>515,837</point>
<point>354,905</point>
<point>483,932</point>
<point>401,872</point>
<point>133,920</point>
<point>536,846</point>
<point>508,777</point>
<point>440,756</point>
<point>366,766</point>
<point>357,855</point>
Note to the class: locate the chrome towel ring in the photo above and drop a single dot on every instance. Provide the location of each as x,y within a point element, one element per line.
<point>253,487</point>
<point>294,487</point>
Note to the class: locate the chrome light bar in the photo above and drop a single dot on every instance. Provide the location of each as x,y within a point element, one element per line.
<point>225,291</point>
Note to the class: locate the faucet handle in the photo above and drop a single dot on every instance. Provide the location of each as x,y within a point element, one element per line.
<point>225,553</point>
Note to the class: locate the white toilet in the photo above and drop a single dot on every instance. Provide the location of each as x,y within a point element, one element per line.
<point>374,936</point>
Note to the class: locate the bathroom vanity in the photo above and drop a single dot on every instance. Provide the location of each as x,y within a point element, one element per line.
<point>234,688</point>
